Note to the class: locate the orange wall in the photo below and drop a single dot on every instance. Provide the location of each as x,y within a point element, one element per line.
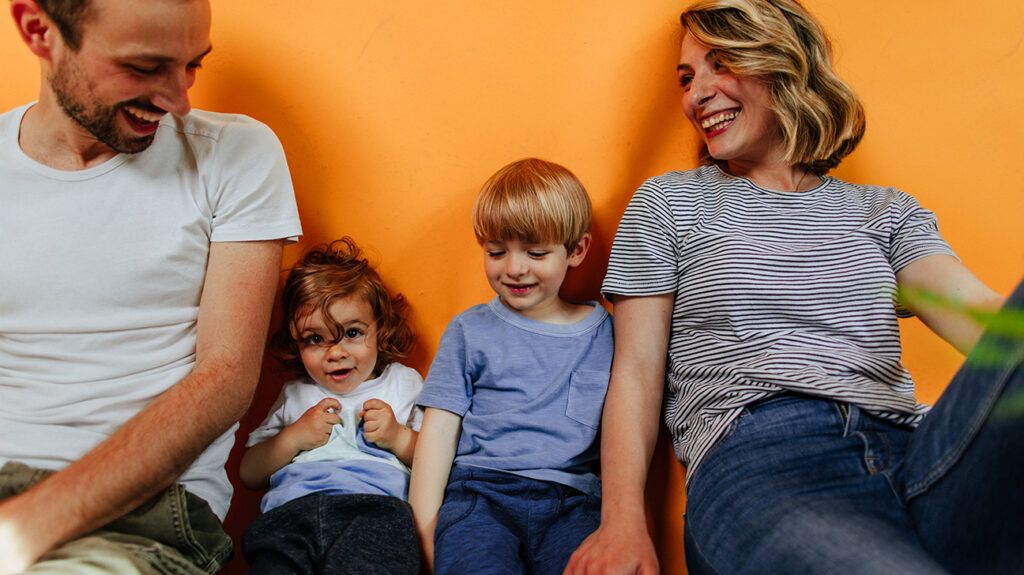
<point>393,114</point>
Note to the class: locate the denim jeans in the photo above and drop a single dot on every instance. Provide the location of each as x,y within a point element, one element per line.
<point>805,485</point>
<point>334,534</point>
<point>495,522</point>
<point>174,533</point>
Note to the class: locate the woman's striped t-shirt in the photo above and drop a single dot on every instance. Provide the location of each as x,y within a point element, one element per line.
<point>774,292</point>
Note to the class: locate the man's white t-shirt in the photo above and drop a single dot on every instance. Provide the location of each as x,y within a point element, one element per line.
<point>101,273</point>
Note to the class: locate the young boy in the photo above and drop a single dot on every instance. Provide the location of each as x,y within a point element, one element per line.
<point>515,393</point>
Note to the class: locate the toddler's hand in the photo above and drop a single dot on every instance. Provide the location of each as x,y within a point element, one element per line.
<point>313,429</point>
<point>379,423</point>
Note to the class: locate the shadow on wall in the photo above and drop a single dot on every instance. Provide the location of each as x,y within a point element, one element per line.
<point>650,144</point>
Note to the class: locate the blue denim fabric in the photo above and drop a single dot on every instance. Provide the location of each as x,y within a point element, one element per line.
<point>496,522</point>
<point>964,472</point>
<point>358,534</point>
<point>804,485</point>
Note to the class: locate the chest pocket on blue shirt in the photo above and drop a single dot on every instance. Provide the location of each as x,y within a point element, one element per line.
<point>586,397</point>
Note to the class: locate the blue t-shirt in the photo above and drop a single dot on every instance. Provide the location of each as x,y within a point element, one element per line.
<point>530,393</point>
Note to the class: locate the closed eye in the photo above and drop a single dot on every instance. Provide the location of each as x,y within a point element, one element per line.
<point>144,70</point>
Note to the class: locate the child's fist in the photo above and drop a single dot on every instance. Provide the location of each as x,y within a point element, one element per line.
<point>313,429</point>
<point>379,423</point>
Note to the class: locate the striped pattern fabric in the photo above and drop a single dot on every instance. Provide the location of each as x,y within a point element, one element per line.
<point>774,292</point>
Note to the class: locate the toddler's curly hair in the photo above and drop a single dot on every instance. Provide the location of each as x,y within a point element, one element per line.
<point>326,274</point>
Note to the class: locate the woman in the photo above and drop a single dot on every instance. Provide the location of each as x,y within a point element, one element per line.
<point>772,288</point>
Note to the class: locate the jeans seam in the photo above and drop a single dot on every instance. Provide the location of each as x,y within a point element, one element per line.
<point>207,559</point>
<point>469,510</point>
<point>703,555</point>
<point>940,467</point>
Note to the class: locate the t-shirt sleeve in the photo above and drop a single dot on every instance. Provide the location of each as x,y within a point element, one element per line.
<point>251,187</point>
<point>274,423</point>
<point>412,386</point>
<point>645,253</point>
<point>915,233</point>
<point>448,385</point>
<point>415,418</point>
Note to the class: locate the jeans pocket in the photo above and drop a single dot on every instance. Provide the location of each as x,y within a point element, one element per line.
<point>179,520</point>
<point>586,397</point>
<point>457,505</point>
<point>733,427</point>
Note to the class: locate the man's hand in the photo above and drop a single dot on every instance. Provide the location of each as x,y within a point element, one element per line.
<point>16,550</point>
<point>313,429</point>
<point>615,551</point>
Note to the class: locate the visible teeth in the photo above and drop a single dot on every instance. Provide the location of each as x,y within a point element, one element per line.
<point>718,119</point>
<point>142,115</point>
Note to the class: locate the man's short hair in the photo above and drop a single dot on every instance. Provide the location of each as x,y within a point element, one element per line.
<point>533,201</point>
<point>68,15</point>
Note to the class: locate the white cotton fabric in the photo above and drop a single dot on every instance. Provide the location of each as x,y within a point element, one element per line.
<point>398,386</point>
<point>101,273</point>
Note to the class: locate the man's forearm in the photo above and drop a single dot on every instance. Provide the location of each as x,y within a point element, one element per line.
<point>153,448</point>
<point>138,461</point>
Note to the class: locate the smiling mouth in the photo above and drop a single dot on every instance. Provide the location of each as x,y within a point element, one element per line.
<point>714,125</point>
<point>519,289</point>
<point>142,119</point>
<point>339,374</point>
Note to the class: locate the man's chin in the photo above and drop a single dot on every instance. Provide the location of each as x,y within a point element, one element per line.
<point>136,146</point>
<point>129,144</point>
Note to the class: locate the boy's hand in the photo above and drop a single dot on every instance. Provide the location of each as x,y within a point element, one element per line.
<point>313,429</point>
<point>379,423</point>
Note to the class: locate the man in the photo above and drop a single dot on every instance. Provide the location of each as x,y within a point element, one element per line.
<point>142,243</point>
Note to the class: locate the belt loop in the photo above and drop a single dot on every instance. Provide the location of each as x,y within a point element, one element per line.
<point>846,413</point>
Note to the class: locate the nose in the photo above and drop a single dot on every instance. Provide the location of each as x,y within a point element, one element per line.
<point>337,351</point>
<point>172,95</point>
<point>516,265</point>
<point>701,91</point>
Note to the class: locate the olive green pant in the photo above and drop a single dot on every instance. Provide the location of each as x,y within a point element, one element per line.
<point>173,533</point>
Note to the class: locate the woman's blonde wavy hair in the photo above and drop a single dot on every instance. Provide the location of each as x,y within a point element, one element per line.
<point>780,43</point>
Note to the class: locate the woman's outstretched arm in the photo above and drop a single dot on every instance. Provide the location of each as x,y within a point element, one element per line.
<point>948,298</point>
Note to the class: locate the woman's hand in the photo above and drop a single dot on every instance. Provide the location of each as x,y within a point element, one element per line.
<point>611,550</point>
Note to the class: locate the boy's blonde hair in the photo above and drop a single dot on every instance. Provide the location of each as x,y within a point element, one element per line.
<point>535,201</point>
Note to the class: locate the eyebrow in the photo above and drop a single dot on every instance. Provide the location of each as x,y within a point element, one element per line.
<point>162,59</point>
<point>709,56</point>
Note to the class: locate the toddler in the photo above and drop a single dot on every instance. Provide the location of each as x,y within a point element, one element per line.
<point>514,396</point>
<point>336,445</point>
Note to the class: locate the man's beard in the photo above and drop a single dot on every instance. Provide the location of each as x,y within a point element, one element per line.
<point>98,119</point>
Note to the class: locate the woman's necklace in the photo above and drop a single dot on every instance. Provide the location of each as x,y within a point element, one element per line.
<point>801,180</point>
